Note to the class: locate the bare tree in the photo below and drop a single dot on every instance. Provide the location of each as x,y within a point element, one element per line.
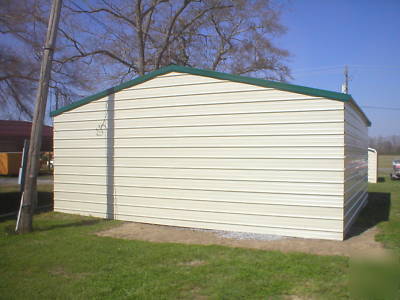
<point>104,42</point>
<point>22,32</point>
<point>233,36</point>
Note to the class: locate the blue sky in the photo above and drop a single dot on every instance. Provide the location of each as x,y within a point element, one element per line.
<point>323,36</point>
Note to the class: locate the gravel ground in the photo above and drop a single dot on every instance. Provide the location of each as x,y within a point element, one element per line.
<point>236,235</point>
<point>248,236</point>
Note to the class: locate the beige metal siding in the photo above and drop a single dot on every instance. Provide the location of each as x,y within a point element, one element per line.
<point>356,165</point>
<point>193,151</point>
<point>372,165</point>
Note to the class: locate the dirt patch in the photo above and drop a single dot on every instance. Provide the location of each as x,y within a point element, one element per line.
<point>195,294</point>
<point>193,263</point>
<point>59,271</point>
<point>362,244</point>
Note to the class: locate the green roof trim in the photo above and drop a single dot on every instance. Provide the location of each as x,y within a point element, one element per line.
<point>218,75</point>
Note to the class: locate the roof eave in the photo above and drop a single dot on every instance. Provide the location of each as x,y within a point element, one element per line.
<point>112,90</point>
<point>218,75</point>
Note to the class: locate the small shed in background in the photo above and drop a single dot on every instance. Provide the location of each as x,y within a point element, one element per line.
<point>197,148</point>
<point>13,133</point>
<point>372,165</point>
<point>12,137</point>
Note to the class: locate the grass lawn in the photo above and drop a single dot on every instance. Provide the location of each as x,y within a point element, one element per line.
<point>64,259</point>
<point>385,161</point>
<point>390,231</point>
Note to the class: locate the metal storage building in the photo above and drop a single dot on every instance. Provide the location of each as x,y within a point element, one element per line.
<point>196,148</point>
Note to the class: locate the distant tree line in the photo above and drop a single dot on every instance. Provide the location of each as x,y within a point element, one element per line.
<point>386,145</point>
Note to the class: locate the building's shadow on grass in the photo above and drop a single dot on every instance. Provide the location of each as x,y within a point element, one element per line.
<point>10,229</point>
<point>9,206</point>
<point>69,224</point>
<point>377,210</point>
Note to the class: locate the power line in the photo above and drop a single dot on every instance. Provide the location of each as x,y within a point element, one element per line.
<point>323,72</point>
<point>91,16</point>
<point>338,69</point>
<point>380,107</point>
<point>320,68</point>
<point>376,67</point>
<point>108,28</point>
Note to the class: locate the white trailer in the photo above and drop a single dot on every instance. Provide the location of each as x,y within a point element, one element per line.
<point>372,165</point>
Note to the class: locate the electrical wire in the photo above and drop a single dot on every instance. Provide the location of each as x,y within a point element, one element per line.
<point>380,107</point>
<point>338,68</point>
<point>109,29</point>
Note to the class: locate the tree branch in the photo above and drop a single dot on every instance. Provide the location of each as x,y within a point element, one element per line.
<point>186,26</point>
<point>106,10</point>
<point>96,52</point>
<point>17,76</point>
<point>17,98</point>
<point>169,31</point>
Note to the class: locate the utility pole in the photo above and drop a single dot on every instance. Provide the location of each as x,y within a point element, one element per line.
<point>345,88</point>
<point>29,195</point>
<point>57,96</point>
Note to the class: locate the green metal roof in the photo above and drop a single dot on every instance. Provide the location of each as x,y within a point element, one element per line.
<point>218,75</point>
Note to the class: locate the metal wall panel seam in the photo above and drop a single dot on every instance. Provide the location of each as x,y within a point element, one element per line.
<point>205,221</point>
<point>206,200</point>
<point>212,211</point>
<point>198,189</point>
<point>205,115</point>
<point>196,178</point>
